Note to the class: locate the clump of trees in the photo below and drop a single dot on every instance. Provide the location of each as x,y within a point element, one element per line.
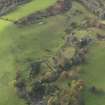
<point>41,85</point>
<point>45,89</point>
<point>35,68</point>
<point>70,96</point>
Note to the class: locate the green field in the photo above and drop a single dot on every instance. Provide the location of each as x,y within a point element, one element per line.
<point>43,40</point>
<point>26,9</point>
<point>94,73</point>
<point>7,72</point>
<point>94,70</point>
<point>23,43</point>
<point>26,42</point>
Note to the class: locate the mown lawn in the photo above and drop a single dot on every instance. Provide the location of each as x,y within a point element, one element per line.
<point>30,42</point>
<point>26,9</point>
<point>94,73</point>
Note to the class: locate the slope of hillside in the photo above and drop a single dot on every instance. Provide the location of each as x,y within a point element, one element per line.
<point>28,38</point>
<point>58,60</point>
<point>26,43</point>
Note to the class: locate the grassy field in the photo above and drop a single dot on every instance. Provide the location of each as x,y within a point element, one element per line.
<point>26,9</point>
<point>23,43</point>
<point>7,72</point>
<point>41,41</point>
<point>94,73</point>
